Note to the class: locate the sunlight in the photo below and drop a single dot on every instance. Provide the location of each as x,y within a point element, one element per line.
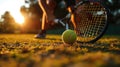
<point>19,18</point>
<point>17,15</point>
<point>14,8</point>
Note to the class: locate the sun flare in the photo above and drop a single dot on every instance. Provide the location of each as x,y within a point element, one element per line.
<point>17,15</point>
<point>14,8</point>
<point>19,19</point>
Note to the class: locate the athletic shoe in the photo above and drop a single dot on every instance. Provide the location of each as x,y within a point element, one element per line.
<point>41,34</point>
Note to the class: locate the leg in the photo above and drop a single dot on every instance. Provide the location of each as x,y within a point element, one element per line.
<point>70,8</point>
<point>45,25</point>
<point>47,7</point>
<point>73,21</point>
<point>47,16</point>
<point>43,21</point>
<point>72,16</point>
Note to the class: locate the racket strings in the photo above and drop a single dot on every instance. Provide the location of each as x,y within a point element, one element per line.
<point>92,21</point>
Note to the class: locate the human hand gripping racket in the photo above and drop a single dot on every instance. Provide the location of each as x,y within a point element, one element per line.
<point>90,18</point>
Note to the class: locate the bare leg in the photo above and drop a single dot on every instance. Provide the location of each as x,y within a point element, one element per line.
<point>43,21</point>
<point>72,17</point>
<point>47,16</point>
<point>45,25</point>
<point>47,10</point>
<point>73,21</point>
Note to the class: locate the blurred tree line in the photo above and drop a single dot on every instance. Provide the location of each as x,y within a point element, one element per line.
<point>7,23</point>
<point>33,16</point>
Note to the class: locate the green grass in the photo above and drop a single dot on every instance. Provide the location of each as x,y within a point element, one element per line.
<point>23,50</point>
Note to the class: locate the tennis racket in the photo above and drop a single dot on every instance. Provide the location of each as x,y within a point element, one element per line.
<point>91,21</point>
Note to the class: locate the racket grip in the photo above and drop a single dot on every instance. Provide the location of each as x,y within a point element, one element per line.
<point>59,21</point>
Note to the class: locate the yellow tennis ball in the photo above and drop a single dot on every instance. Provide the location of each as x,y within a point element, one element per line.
<point>69,36</point>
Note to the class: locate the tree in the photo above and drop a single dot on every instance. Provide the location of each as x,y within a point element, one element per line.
<point>7,23</point>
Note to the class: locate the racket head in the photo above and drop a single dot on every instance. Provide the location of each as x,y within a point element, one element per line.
<point>91,22</point>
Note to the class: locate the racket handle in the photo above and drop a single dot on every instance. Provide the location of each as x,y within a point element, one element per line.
<point>59,21</point>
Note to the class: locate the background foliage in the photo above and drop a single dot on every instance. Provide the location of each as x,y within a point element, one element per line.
<point>33,15</point>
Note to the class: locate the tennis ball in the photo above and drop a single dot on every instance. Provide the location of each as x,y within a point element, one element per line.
<point>69,36</point>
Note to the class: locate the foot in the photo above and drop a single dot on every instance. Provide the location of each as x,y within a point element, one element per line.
<point>41,34</point>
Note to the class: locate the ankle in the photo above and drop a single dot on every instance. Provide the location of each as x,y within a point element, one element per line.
<point>42,31</point>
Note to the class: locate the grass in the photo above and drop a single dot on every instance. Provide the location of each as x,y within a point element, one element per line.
<point>23,50</point>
